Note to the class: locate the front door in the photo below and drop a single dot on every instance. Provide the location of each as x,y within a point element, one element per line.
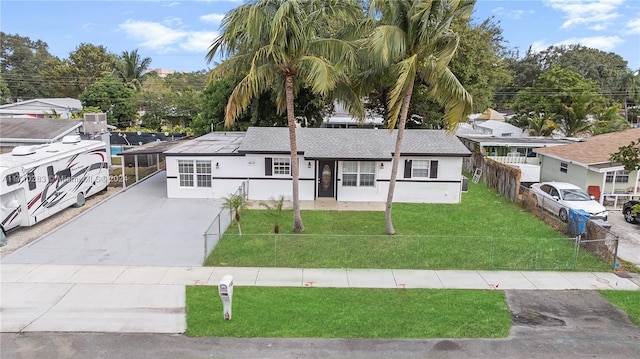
<point>326,178</point>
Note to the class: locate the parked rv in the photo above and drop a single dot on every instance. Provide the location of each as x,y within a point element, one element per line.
<point>41,180</point>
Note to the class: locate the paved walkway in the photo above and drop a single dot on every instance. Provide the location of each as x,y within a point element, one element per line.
<point>131,299</point>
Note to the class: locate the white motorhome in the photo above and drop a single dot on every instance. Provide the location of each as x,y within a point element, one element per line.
<point>41,180</point>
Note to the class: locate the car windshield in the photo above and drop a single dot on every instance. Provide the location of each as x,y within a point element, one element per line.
<point>574,195</point>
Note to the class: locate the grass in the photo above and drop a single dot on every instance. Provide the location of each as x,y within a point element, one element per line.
<point>349,313</point>
<point>628,301</point>
<point>486,231</point>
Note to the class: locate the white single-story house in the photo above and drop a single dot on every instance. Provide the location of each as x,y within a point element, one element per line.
<point>338,164</point>
<point>41,108</point>
<point>587,164</point>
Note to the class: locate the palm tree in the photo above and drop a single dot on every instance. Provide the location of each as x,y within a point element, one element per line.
<point>630,85</point>
<point>278,45</point>
<point>132,67</point>
<point>541,125</point>
<point>235,203</point>
<point>414,41</point>
<point>574,119</point>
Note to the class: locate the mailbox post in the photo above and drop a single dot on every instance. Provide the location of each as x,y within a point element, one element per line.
<point>225,290</point>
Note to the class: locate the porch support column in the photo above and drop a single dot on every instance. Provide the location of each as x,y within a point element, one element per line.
<point>602,193</point>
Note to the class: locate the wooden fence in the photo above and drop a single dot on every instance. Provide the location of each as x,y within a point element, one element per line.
<point>503,178</point>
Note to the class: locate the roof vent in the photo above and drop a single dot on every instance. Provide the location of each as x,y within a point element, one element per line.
<point>71,139</point>
<point>23,150</point>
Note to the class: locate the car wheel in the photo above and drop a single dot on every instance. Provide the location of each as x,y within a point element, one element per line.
<point>564,216</point>
<point>628,216</point>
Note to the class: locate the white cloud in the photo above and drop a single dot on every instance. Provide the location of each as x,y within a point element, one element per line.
<point>199,41</point>
<point>597,27</point>
<point>164,39</point>
<point>585,12</point>
<point>539,45</point>
<point>511,14</point>
<point>633,26</point>
<point>172,21</point>
<point>604,43</point>
<point>152,35</point>
<point>214,18</point>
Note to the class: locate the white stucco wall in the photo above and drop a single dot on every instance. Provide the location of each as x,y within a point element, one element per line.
<point>231,171</point>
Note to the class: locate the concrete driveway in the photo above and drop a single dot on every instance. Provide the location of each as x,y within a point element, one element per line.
<point>136,227</point>
<point>629,234</point>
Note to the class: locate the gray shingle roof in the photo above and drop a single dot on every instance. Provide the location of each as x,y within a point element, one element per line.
<point>351,143</point>
<point>36,128</point>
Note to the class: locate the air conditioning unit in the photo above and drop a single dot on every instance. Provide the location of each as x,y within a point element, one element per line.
<point>95,123</point>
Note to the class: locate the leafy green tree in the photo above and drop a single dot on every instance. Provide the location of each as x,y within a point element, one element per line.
<point>540,125</point>
<point>23,63</point>
<point>277,45</point>
<point>114,98</point>
<point>414,40</point>
<point>604,68</point>
<point>131,67</point>
<point>479,60</point>
<point>628,156</point>
<point>5,93</point>
<point>564,95</point>
<point>85,65</point>
<point>609,120</point>
<point>180,80</point>
<point>156,100</point>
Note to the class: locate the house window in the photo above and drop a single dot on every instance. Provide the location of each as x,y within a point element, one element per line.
<point>564,167</point>
<point>281,166</point>
<point>420,168</point>
<point>203,173</point>
<point>358,174</point>
<point>194,173</point>
<point>621,177</point>
<point>185,173</point>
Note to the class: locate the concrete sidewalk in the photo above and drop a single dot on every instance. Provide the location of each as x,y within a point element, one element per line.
<point>130,299</point>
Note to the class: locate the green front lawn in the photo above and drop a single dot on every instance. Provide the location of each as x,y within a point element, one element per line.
<point>485,231</point>
<point>349,313</point>
<point>629,301</point>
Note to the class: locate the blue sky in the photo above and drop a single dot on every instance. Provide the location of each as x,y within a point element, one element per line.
<point>176,34</point>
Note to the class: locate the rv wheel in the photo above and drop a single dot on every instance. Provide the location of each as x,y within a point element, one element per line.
<point>3,237</point>
<point>79,200</point>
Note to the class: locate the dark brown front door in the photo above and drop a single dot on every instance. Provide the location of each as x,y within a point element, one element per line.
<point>326,178</point>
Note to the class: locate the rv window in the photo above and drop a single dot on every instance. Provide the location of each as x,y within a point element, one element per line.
<point>64,175</point>
<point>13,178</point>
<point>50,174</point>
<point>31,177</point>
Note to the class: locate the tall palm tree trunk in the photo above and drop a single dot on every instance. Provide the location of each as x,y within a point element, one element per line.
<point>291,119</point>
<point>396,158</point>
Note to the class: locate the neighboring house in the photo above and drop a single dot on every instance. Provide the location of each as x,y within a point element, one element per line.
<point>42,108</point>
<point>498,129</point>
<point>16,131</point>
<point>341,118</point>
<point>510,150</point>
<point>515,151</point>
<point>586,164</point>
<point>336,164</point>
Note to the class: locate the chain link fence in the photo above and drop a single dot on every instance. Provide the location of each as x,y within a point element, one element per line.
<point>593,236</point>
<point>221,222</point>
